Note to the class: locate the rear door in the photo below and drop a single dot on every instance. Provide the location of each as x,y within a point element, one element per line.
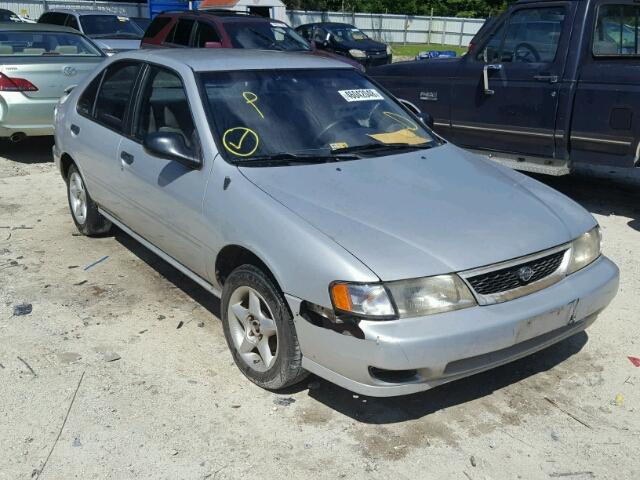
<point>505,96</point>
<point>605,126</point>
<point>97,130</point>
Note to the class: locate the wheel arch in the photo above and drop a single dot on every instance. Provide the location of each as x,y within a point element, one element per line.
<point>232,256</point>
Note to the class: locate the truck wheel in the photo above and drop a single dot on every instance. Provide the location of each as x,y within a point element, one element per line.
<point>84,211</point>
<point>259,329</point>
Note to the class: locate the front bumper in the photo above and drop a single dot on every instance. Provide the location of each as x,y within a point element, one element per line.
<point>21,114</point>
<point>444,347</point>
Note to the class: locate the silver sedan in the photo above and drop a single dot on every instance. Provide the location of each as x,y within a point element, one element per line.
<point>343,236</point>
<point>37,64</point>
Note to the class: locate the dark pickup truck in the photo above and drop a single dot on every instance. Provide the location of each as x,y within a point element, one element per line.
<point>549,87</point>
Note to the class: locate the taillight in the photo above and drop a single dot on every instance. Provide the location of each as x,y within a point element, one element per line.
<point>12,84</point>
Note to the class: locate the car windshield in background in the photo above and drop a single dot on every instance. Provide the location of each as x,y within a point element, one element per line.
<point>310,115</point>
<point>348,34</point>
<point>45,43</point>
<point>265,36</point>
<point>109,26</point>
<point>142,22</point>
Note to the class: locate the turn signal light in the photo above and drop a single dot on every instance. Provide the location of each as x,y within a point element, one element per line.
<point>12,84</point>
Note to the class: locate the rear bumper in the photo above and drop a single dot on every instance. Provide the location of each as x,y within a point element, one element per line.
<point>442,348</point>
<point>19,113</point>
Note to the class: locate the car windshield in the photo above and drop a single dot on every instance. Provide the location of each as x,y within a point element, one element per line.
<point>348,34</point>
<point>265,36</point>
<point>45,43</point>
<point>141,22</point>
<point>109,26</point>
<point>306,114</point>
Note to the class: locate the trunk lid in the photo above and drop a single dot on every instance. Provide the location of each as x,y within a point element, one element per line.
<point>51,75</point>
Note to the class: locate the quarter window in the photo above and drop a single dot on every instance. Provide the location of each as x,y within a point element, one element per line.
<point>115,94</point>
<point>88,97</point>
<point>616,31</point>
<point>72,22</point>
<point>530,36</point>
<point>164,107</point>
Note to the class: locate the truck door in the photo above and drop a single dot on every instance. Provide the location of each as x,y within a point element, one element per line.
<point>505,93</point>
<point>606,123</point>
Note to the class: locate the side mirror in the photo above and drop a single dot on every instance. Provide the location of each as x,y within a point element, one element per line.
<point>171,146</point>
<point>424,117</point>
<point>212,44</point>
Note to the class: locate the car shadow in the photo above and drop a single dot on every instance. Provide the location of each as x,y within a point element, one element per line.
<point>389,410</point>
<point>603,196</point>
<point>28,151</point>
<point>197,293</point>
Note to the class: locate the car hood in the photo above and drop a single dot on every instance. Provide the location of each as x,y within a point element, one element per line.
<point>119,44</point>
<point>425,213</point>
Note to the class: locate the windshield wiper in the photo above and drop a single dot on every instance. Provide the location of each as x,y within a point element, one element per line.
<point>289,158</point>
<point>371,147</point>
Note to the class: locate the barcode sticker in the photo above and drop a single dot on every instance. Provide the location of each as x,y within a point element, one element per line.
<point>360,95</point>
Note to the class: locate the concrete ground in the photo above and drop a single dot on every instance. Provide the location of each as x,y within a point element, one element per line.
<point>137,351</point>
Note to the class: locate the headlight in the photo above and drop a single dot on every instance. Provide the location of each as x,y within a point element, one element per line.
<point>388,50</point>
<point>584,250</point>
<point>412,298</point>
<point>355,53</point>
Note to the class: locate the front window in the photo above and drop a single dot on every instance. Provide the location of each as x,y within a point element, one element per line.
<point>530,35</point>
<point>265,36</point>
<point>616,31</point>
<point>348,34</point>
<point>45,43</point>
<point>282,114</point>
<point>109,26</point>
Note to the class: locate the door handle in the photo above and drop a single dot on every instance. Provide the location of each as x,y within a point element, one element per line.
<point>74,129</point>
<point>485,76</point>
<point>126,157</point>
<point>546,78</point>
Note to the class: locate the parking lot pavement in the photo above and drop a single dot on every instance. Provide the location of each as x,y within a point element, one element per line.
<point>121,371</point>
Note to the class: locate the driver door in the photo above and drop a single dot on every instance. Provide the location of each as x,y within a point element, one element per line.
<point>505,94</point>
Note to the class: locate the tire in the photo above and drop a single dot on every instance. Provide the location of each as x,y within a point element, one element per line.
<point>284,367</point>
<point>84,210</point>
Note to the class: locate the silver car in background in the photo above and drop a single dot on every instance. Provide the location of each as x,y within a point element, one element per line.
<point>111,32</point>
<point>343,237</point>
<point>37,64</point>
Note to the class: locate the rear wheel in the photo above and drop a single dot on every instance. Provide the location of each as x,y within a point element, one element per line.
<point>259,329</point>
<point>84,210</point>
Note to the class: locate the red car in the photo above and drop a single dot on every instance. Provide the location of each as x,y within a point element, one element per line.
<point>227,29</point>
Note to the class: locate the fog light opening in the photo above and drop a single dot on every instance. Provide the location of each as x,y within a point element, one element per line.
<point>393,376</point>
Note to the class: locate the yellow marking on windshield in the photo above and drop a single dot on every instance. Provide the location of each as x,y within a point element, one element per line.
<point>251,99</point>
<point>337,145</point>
<point>241,144</point>
<point>404,135</point>
<point>402,120</point>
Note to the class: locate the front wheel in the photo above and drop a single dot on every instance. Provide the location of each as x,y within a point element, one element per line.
<point>84,210</point>
<point>259,329</point>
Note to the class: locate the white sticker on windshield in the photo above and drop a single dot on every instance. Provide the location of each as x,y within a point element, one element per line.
<point>361,95</point>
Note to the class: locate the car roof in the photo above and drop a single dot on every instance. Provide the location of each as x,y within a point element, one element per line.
<point>328,24</point>
<point>38,27</point>
<point>224,59</point>
<point>224,16</point>
<point>82,13</point>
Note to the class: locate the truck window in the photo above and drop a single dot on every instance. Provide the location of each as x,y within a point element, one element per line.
<point>616,31</point>
<point>530,35</point>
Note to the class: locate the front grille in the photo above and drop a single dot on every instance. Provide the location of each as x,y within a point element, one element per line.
<point>508,279</point>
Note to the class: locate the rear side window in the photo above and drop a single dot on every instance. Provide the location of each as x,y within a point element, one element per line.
<point>115,94</point>
<point>616,31</point>
<point>53,18</point>
<point>181,32</point>
<point>205,33</point>
<point>156,26</point>
<point>88,97</point>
